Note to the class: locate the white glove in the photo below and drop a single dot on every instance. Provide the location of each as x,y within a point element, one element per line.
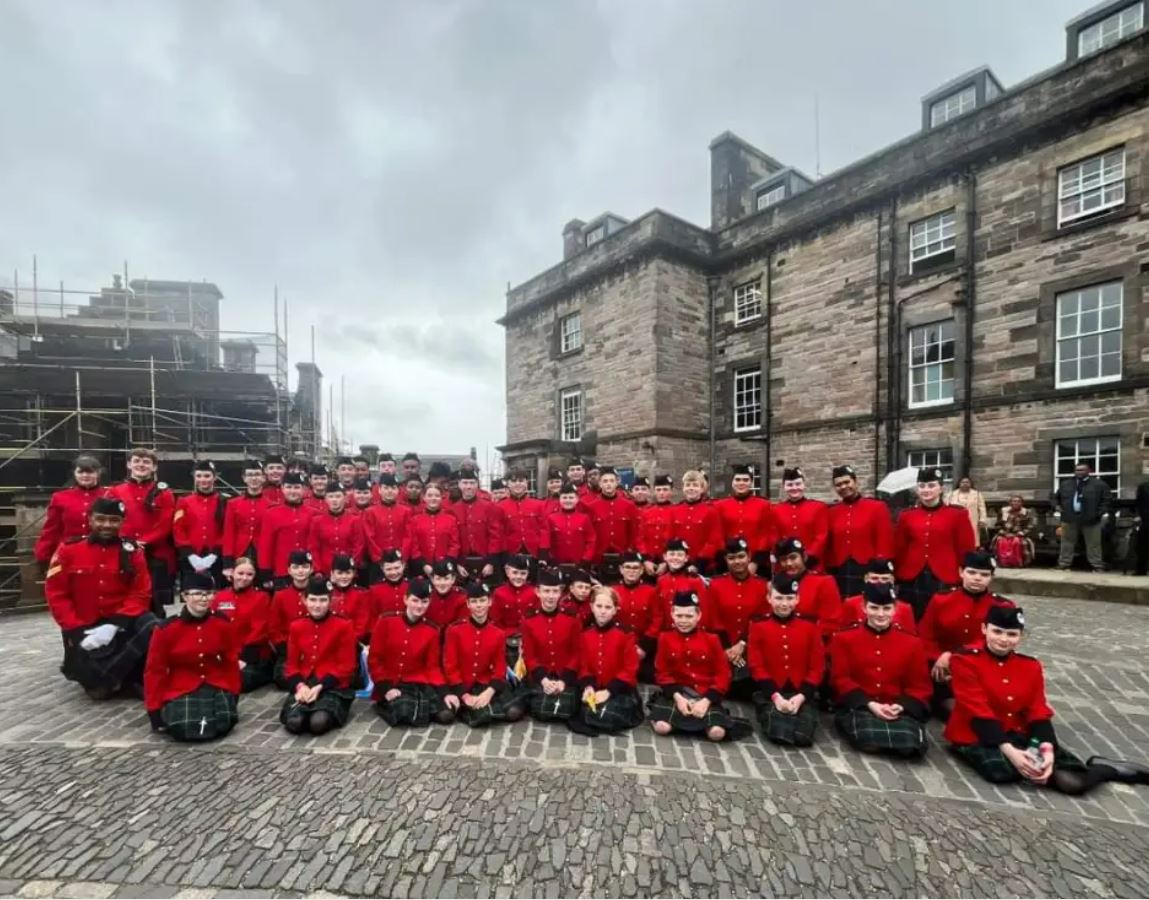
<point>202,563</point>
<point>100,636</point>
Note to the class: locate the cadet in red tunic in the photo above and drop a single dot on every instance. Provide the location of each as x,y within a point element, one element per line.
<point>526,517</point>
<point>639,610</point>
<point>735,599</point>
<point>571,533</point>
<point>322,659</point>
<point>275,470</point>
<point>197,527</point>
<point>550,654</point>
<point>334,532</point>
<point>434,533</point>
<point>878,571</point>
<point>860,529</point>
<point>693,675</point>
<point>481,530</point>
<point>287,605</point>
<point>475,666</point>
<point>881,682</point>
<point>676,579</point>
<point>448,600</point>
<point>696,522</point>
<point>818,598</point>
<point>348,599</point>
<point>787,663</point>
<point>191,681</point>
<point>405,664</point>
<point>615,523</point>
<point>360,499</point>
<point>551,499</point>
<point>577,600</point>
<point>243,518</point>
<point>514,598</point>
<point>386,524</point>
<point>248,608</point>
<point>608,672</point>
<point>1002,723</point>
<point>284,530</point>
<point>799,516</point>
<point>746,515</point>
<point>149,507</point>
<point>640,494</point>
<point>98,592</point>
<point>67,513</point>
<point>930,540</point>
<point>389,592</point>
<point>656,526</point>
<point>315,495</point>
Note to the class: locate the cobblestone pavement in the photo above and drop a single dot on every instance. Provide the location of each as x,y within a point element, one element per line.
<point>93,804</point>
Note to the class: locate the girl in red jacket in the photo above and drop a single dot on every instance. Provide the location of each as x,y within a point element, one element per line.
<point>608,672</point>
<point>248,609</point>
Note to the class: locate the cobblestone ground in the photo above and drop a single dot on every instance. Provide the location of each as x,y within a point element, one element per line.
<point>93,804</point>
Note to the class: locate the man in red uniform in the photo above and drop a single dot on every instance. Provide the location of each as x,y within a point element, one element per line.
<point>385,524</point>
<point>746,515</point>
<point>554,485</point>
<point>274,470</point>
<point>930,540</point>
<point>525,517</point>
<point>656,526</point>
<point>480,530</point>
<point>616,524</point>
<point>696,522</point>
<point>735,599</point>
<point>98,592</point>
<point>571,533</point>
<point>150,507</point>
<point>860,529</point>
<point>345,472</point>
<point>317,481</point>
<point>284,529</point>
<point>640,493</point>
<point>550,649</point>
<point>68,510</point>
<point>243,518</point>
<point>197,526</point>
<point>334,531</point>
<point>475,667</point>
<point>803,518</point>
<point>576,475</point>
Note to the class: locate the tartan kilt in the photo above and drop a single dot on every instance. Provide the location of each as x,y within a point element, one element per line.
<point>415,706</point>
<point>791,730</point>
<point>335,702</point>
<point>278,675</point>
<point>990,763</point>
<point>256,674</point>
<point>850,576</point>
<point>549,707</point>
<point>495,711</point>
<point>661,708</point>
<point>110,666</point>
<point>920,591</point>
<point>204,714</point>
<point>865,730</point>
<point>621,712</point>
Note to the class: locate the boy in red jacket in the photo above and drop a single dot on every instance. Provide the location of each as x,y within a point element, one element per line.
<point>475,667</point>
<point>570,532</point>
<point>550,648</point>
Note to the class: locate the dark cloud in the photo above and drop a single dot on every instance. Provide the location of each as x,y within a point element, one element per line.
<point>392,166</point>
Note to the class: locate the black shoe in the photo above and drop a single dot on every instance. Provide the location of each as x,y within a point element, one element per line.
<point>1124,771</point>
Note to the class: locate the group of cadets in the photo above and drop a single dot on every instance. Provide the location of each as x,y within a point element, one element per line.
<point>447,603</point>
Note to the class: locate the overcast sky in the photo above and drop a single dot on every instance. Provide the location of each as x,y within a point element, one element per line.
<point>392,166</point>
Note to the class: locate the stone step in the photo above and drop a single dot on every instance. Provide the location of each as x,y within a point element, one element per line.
<point>1106,587</point>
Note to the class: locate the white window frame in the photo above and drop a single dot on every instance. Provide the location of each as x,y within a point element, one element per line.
<point>748,302</point>
<point>570,333</point>
<point>596,234</point>
<point>933,335</point>
<point>532,471</point>
<point>1095,185</point>
<point>1110,30</point>
<point>956,104</point>
<point>769,196</point>
<point>933,236</point>
<point>572,414</point>
<point>931,458</point>
<point>1079,328</point>
<point>746,390</point>
<point>1088,449</point>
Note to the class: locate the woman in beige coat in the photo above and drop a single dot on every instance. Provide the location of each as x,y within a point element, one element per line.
<point>966,495</point>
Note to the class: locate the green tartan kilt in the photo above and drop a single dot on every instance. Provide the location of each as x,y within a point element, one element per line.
<point>256,674</point>
<point>990,763</point>
<point>864,730</point>
<point>495,711</point>
<point>415,706</point>
<point>792,730</point>
<point>661,708</point>
<point>335,702</point>
<point>279,676</point>
<point>204,714</point>
<point>621,712</point>
<point>550,707</point>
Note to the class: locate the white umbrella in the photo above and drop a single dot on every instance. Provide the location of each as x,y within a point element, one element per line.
<point>902,480</point>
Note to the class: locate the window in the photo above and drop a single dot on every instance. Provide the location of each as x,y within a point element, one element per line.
<point>932,364</point>
<point>571,414</point>
<point>531,467</point>
<point>1102,453</point>
<point>953,106</point>
<point>1091,186</point>
<point>932,237</point>
<point>747,302</point>
<point>1089,324</point>
<point>570,333</point>
<point>1110,30</point>
<point>747,399</point>
<point>941,458</point>
<point>596,234</point>
<point>771,195</point>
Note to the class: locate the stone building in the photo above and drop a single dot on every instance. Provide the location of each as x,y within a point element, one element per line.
<point>973,296</point>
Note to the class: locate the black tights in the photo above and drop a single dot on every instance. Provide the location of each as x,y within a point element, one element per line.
<point>1076,783</point>
<point>318,722</point>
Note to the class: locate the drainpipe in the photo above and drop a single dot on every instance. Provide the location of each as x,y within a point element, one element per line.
<point>767,406</point>
<point>877,343</point>
<point>970,306</point>
<point>893,345</point>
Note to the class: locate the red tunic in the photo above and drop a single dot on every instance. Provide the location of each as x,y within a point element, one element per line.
<point>404,652</point>
<point>317,504</point>
<point>197,526</point>
<point>447,608</point>
<point>284,529</point>
<point>953,620</point>
<point>287,606</point>
<point>149,509</point>
<point>186,653</point>
<point>670,583</point>
<point>474,656</point>
<point>996,698</point>
<point>579,609</point>
<point>615,522</point>
<point>242,520</point>
<point>249,611</point>
<point>571,538</point>
<point>785,655</point>
<point>434,536</point>
<point>639,609</point>
<point>806,520</point>
<point>387,598</point>
<point>274,493</point>
<point>695,660</point>
<point>509,604</point>
<point>608,658</point>
<point>385,526</point>
<point>480,528</point>
<point>883,666</point>
<point>551,645</point>
<point>853,613</point>
<point>733,603</point>
<point>698,524</point>
<point>860,530</point>
<point>331,534</point>
<point>938,537</point>
<point>819,601</point>
<point>750,517</point>
<point>321,649</point>
<point>354,604</point>
<point>66,517</point>
<point>655,528</point>
<point>526,525</point>
<point>85,584</point>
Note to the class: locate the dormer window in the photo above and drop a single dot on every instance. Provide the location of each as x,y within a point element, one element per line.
<point>595,235</point>
<point>953,106</point>
<point>958,97</point>
<point>771,195</point>
<point>1113,28</point>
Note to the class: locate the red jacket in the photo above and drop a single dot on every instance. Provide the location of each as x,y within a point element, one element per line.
<point>615,523</point>
<point>860,530</point>
<point>551,504</point>
<point>287,606</point>
<point>670,583</point>
<point>329,534</point>
<point>197,526</point>
<point>953,620</point>
<point>186,653</point>
<point>149,509</point>
<point>86,582</point>
<point>580,610</point>
<point>571,538</point>
<point>608,658</point>
<point>639,609</point>
<point>510,604</point>
<point>321,649</point>
<point>385,526</point>
<point>526,525</point>
<point>939,537</point>
<point>481,528</point>
<point>404,652</point>
<point>785,654</point>
<point>249,611</point>
<point>317,504</point>
<point>698,525</point>
<point>353,604</point>
<point>448,608</point>
<point>695,661</point>
<point>434,536</point>
<point>853,613</point>
<point>284,529</point>
<point>751,517</point>
<point>883,666</point>
<point>242,520</point>
<point>273,493</point>
<point>820,602</point>
<point>806,520</point>
<point>66,517</point>
<point>551,645</point>
<point>734,603</point>
<point>387,598</point>
<point>474,656</point>
<point>996,698</point>
<point>655,528</point>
